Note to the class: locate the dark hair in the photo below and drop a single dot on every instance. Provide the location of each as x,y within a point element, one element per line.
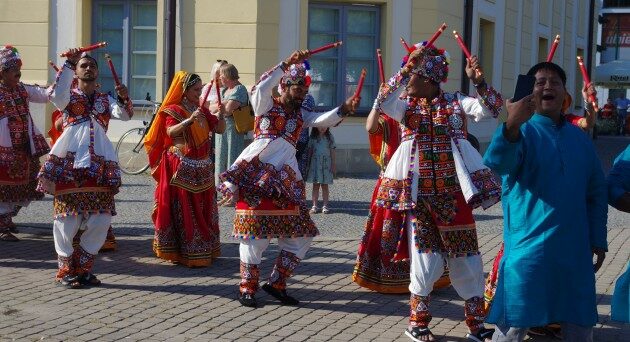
<point>551,67</point>
<point>86,56</point>
<point>328,135</point>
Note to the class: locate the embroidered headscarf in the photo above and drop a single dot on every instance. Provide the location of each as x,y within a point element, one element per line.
<point>432,64</point>
<point>9,58</point>
<point>297,74</point>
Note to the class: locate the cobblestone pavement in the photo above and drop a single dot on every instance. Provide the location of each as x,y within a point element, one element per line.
<point>144,298</point>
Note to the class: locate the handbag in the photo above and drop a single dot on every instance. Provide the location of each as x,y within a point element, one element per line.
<point>244,118</point>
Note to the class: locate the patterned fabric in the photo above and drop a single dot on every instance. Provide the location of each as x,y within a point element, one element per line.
<point>18,182</point>
<point>475,313</point>
<point>9,58</point>
<point>250,273</point>
<point>66,266</point>
<point>433,64</point>
<point>297,74</point>
<point>194,175</point>
<point>89,202</point>
<point>454,238</point>
<point>59,173</point>
<point>419,313</point>
<point>283,269</point>
<point>268,221</point>
<point>257,180</point>
<point>489,189</point>
<point>83,260</point>
<point>278,123</point>
<point>15,107</point>
<point>491,281</point>
<point>82,108</point>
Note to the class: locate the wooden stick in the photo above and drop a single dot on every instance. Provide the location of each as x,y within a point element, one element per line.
<point>112,69</point>
<point>325,47</point>
<point>587,80</point>
<point>52,64</point>
<point>205,96</point>
<point>85,49</point>
<point>381,72</point>
<point>554,46</point>
<point>357,93</point>
<point>405,45</point>
<point>437,34</point>
<point>218,92</point>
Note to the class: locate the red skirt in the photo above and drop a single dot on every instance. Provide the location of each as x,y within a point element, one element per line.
<point>186,222</point>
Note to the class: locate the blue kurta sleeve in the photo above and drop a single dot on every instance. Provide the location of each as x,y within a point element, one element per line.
<point>619,177</point>
<point>502,156</point>
<point>597,204</point>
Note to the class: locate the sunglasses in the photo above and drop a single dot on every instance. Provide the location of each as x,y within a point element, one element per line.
<point>222,61</point>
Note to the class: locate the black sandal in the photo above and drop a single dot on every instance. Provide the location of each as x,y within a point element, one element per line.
<point>416,332</point>
<point>70,281</point>
<point>89,279</point>
<point>481,335</point>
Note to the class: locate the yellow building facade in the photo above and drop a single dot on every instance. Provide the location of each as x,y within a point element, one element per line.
<point>254,35</point>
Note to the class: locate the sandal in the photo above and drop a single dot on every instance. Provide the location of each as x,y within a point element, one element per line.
<point>89,279</point>
<point>325,210</point>
<point>314,210</point>
<point>70,281</point>
<point>7,236</point>
<point>416,333</point>
<point>481,335</point>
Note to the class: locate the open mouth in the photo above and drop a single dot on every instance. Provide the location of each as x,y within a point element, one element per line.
<point>548,97</point>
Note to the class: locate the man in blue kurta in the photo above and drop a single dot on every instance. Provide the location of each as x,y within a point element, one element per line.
<point>555,211</point>
<point>619,197</point>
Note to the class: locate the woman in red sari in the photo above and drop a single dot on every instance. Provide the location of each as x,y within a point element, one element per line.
<point>178,144</point>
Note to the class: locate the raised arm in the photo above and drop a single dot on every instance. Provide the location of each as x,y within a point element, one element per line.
<point>331,117</point>
<point>58,93</point>
<point>388,99</point>
<point>262,91</point>
<point>121,109</point>
<point>489,101</point>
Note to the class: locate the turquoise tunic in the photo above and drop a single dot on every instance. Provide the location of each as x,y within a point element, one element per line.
<point>230,144</point>
<point>618,184</point>
<point>554,210</point>
<point>320,162</point>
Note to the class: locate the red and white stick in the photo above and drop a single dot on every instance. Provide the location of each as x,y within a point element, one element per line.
<point>325,47</point>
<point>405,45</point>
<point>85,48</point>
<point>52,64</point>
<point>554,46</point>
<point>437,34</point>
<point>112,69</point>
<point>357,93</point>
<point>462,45</point>
<point>381,72</point>
<point>587,80</point>
<point>218,92</point>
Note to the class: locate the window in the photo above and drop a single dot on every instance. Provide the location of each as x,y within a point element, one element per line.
<point>336,72</point>
<point>486,47</point>
<point>130,29</point>
<point>543,49</point>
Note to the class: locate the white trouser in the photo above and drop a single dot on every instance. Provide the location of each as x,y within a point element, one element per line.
<point>251,250</point>
<point>65,228</point>
<point>466,273</point>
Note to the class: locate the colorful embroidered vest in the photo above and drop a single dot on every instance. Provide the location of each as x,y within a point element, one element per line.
<point>80,109</point>
<point>276,123</point>
<point>432,126</point>
<point>14,106</point>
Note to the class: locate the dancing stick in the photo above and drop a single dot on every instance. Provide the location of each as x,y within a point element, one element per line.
<point>205,96</point>
<point>554,46</point>
<point>85,49</point>
<point>357,92</point>
<point>381,73</point>
<point>462,45</point>
<point>52,64</point>
<point>437,34</point>
<point>325,47</point>
<point>464,48</point>
<point>113,70</point>
<point>218,92</point>
<point>587,80</point>
<point>405,45</point>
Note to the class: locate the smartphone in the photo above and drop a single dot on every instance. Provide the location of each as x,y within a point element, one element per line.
<point>524,87</point>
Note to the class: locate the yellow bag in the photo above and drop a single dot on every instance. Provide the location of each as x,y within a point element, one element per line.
<point>244,118</point>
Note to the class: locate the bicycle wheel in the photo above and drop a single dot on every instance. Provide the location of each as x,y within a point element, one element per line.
<point>132,157</point>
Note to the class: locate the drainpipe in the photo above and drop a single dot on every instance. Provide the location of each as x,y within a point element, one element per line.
<point>169,56</point>
<point>589,52</point>
<point>468,15</point>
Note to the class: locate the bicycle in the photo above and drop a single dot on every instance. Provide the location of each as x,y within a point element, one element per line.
<point>132,157</point>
